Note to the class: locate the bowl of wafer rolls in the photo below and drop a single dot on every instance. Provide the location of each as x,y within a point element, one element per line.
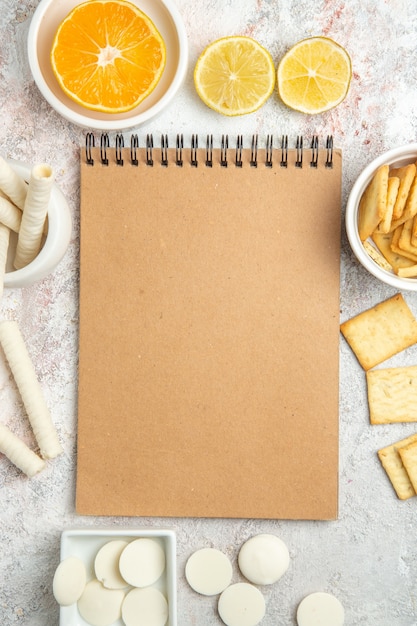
<point>381,217</point>
<point>35,223</point>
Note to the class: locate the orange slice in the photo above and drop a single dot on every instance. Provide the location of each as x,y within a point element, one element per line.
<point>107,55</point>
<point>314,75</point>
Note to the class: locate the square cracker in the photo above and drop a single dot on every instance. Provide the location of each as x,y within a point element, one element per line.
<point>408,456</point>
<point>380,332</point>
<point>393,465</point>
<point>392,394</point>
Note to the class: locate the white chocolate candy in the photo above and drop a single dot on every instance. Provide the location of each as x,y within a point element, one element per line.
<point>263,559</point>
<point>100,606</point>
<point>19,453</point>
<point>106,565</point>
<point>142,562</point>
<point>320,609</point>
<point>145,607</point>
<point>241,604</point>
<point>208,571</point>
<point>69,581</point>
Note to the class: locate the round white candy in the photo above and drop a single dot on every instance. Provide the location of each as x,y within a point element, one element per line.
<point>100,606</point>
<point>241,604</point>
<point>208,571</point>
<point>320,609</point>
<point>69,581</point>
<point>145,607</point>
<point>106,564</point>
<point>263,559</point>
<point>142,562</point>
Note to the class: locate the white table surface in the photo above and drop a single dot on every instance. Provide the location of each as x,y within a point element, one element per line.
<point>368,557</point>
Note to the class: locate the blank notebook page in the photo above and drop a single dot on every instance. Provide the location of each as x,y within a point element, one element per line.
<point>209,337</point>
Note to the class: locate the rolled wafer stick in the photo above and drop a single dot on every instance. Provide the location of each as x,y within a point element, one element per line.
<point>34,214</point>
<point>29,388</point>
<point>19,453</point>
<point>4,246</point>
<point>10,215</point>
<point>12,184</point>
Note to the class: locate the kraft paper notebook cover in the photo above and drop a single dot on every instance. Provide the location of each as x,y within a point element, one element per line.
<point>209,330</point>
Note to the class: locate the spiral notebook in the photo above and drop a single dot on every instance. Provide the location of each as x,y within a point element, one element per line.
<point>209,327</point>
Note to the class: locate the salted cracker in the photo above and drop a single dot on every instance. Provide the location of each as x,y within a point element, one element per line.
<point>406,175</point>
<point>410,207</point>
<point>383,243</point>
<point>407,272</point>
<point>372,205</point>
<point>393,465</point>
<point>376,256</point>
<point>380,332</point>
<point>395,245</point>
<point>408,456</point>
<point>392,394</point>
<point>393,186</point>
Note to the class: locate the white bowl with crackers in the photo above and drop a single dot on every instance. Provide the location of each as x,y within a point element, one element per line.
<point>381,217</point>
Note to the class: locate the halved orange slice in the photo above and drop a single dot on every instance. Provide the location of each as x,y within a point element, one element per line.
<point>107,55</point>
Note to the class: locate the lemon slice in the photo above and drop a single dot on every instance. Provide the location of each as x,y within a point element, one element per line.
<point>234,75</point>
<point>107,55</point>
<point>314,75</point>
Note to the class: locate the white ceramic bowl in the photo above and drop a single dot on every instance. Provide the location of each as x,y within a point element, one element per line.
<point>44,24</point>
<point>56,241</point>
<point>395,158</point>
<point>84,544</point>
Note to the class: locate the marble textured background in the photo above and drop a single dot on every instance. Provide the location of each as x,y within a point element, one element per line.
<point>367,558</point>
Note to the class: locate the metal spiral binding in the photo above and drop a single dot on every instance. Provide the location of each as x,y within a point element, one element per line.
<point>299,149</point>
<point>284,151</point>
<point>119,149</point>
<point>223,150</point>
<point>179,146</point>
<point>134,146</point>
<point>314,151</point>
<point>254,151</point>
<point>239,148</point>
<point>149,150</point>
<point>104,144</point>
<point>194,151</point>
<point>164,150</point>
<point>329,148</point>
<point>209,151</point>
<point>89,144</point>
<point>268,151</point>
